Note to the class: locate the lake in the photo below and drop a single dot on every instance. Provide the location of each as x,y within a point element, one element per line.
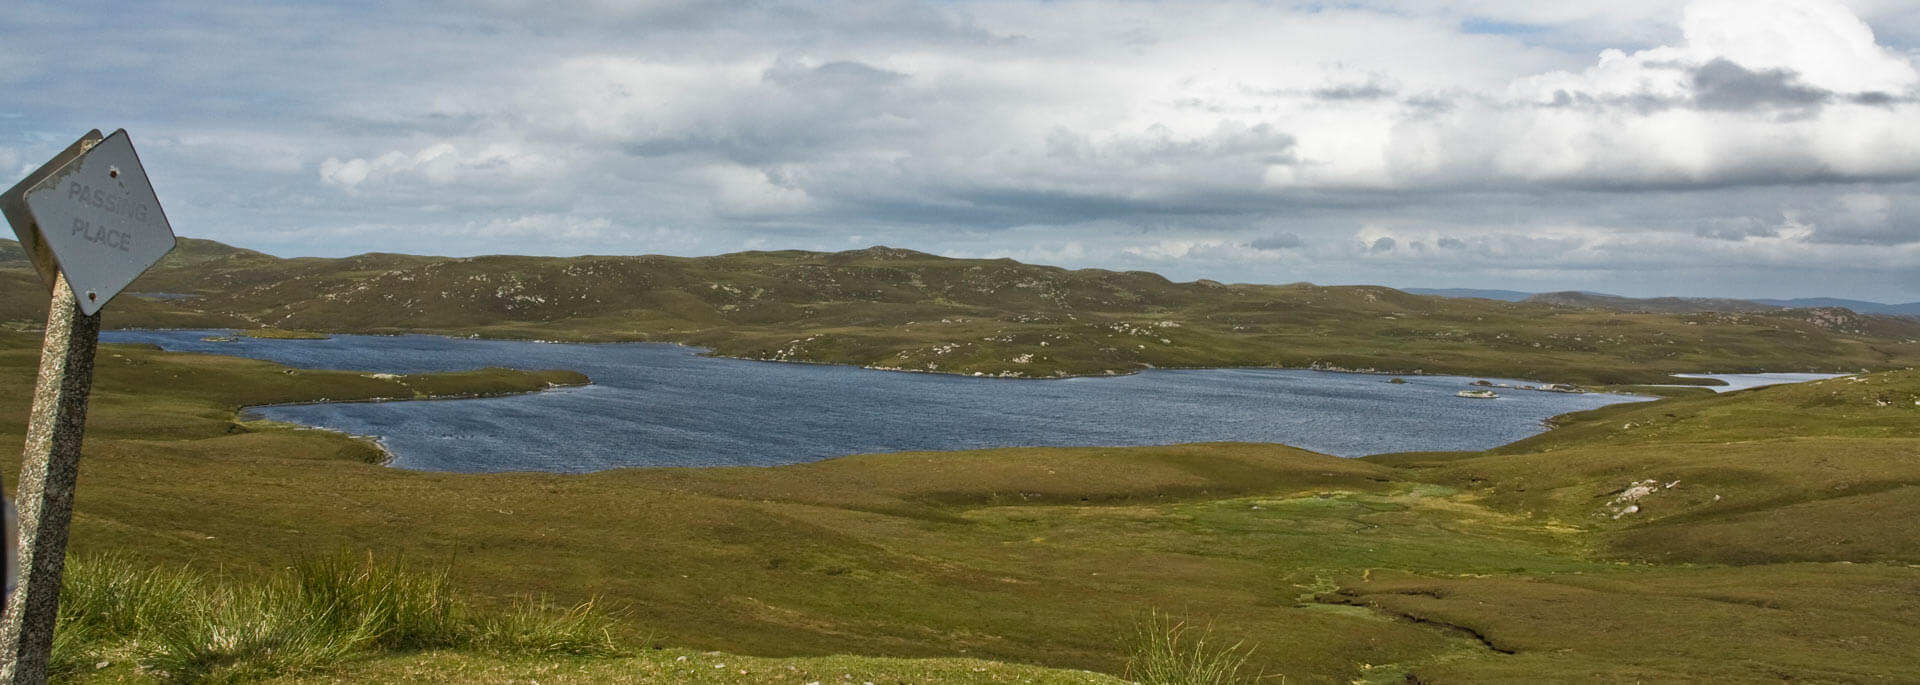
<point>665,405</point>
<point>1744,381</point>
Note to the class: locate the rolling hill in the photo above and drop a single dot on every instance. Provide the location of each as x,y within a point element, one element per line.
<point>1675,304</point>
<point>898,309</point>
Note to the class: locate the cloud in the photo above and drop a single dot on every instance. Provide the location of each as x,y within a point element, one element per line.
<point>1823,41</point>
<point>748,193</point>
<point>1375,86</point>
<point>1736,229</point>
<point>1704,112</point>
<point>1000,121</point>
<point>1370,140</point>
<point>553,227</point>
<point>1867,219</point>
<point>1361,91</point>
<point>1725,86</point>
<point>9,162</point>
<point>1184,249</point>
<point>842,76</point>
<point>1276,241</point>
<point>440,164</point>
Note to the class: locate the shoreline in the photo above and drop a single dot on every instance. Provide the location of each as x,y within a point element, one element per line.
<point>1003,375</point>
<point>247,414</point>
<point>243,411</point>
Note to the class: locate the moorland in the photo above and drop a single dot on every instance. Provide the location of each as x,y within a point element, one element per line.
<point>1756,535</point>
<point>899,309</point>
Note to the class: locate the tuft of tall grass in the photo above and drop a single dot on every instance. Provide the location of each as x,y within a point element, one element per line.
<point>246,633</point>
<point>1163,650</point>
<point>537,626</point>
<point>385,604</point>
<point>187,626</point>
<point>108,599</point>
<point>116,597</point>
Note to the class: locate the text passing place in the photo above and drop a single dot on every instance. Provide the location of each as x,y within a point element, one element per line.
<point>100,218</point>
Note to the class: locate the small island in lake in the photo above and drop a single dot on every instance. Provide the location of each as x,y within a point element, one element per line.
<point>283,334</point>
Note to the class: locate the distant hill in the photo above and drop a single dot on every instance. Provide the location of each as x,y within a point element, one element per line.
<point>1502,295</point>
<point>898,309</point>
<point>1908,309</point>
<point>187,251</point>
<point>12,256</point>
<point>1672,304</point>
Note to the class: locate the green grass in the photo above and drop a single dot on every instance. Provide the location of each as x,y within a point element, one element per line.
<point>675,665</point>
<point>1164,650</point>
<point>1798,622</point>
<point>181,625</point>
<point>1883,405</point>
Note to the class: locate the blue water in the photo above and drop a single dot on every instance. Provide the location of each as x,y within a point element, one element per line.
<point>1743,381</point>
<point>665,405</point>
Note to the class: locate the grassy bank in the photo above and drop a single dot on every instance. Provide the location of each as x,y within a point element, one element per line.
<point>1766,542</point>
<point>143,393</point>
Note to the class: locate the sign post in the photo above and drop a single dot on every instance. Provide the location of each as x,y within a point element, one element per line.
<point>90,221</point>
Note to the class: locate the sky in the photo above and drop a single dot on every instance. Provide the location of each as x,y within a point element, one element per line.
<point>1727,148</point>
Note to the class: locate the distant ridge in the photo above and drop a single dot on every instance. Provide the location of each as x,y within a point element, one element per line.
<point>1501,295</point>
<point>896,309</point>
<point>193,250</point>
<point>1665,305</point>
<point>185,251</point>
<point>1674,305</point>
<point>190,250</point>
<point>1863,307</point>
<point>12,255</point>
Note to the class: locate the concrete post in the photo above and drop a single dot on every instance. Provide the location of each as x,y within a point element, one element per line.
<point>49,469</point>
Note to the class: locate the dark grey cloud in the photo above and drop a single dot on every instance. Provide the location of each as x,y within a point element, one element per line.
<point>1721,85</point>
<point>1877,98</point>
<point>1359,91</point>
<point>1276,241</point>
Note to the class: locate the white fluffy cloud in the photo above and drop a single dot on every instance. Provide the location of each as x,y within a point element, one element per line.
<point>1757,91</point>
<point>441,165</point>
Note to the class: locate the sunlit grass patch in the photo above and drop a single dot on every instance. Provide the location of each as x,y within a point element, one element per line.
<point>182,625</point>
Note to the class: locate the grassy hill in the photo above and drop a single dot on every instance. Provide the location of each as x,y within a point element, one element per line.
<point>898,309</point>
<point>1752,536</point>
<point>1672,305</point>
<point>1676,304</point>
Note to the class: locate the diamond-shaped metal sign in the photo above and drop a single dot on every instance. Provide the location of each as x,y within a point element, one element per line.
<point>98,217</point>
